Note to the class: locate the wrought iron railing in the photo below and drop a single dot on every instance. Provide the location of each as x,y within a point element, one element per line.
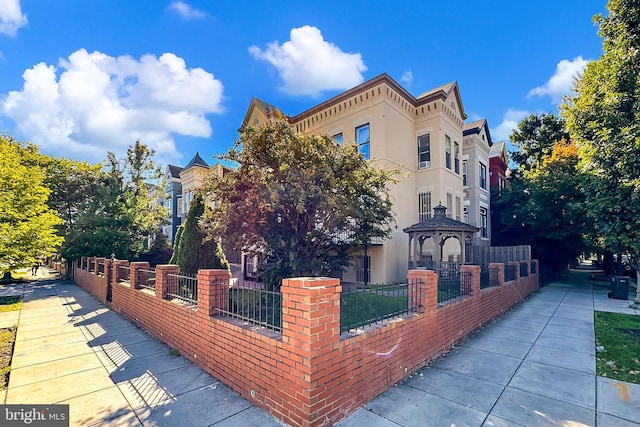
<point>453,284</point>
<point>534,267</point>
<point>146,279</point>
<point>92,265</point>
<point>183,287</point>
<point>509,273</point>
<point>247,303</point>
<point>123,273</point>
<point>375,303</point>
<point>101,268</point>
<point>524,270</point>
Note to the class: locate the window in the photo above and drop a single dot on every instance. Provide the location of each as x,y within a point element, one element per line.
<point>424,152</point>
<point>447,151</point>
<point>457,208</point>
<point>466,216</point>
<point>338,138</point>
<point>464,172</point>
<point>424,206</point>
<point>449,205</point>
<point>483,176</point>
<point>362,139</point>
<point>363,268</point>
<point>456,157</point>
<point>483,223</point>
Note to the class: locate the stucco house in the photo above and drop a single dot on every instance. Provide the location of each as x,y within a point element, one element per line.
<point>390,126</point>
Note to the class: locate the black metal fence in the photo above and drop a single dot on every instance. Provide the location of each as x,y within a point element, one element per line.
<point>494,276</point>
<point>92,265</point>
<point>454,284</point>
<point>248,303</point>
<point>101,268</point>
<point>368,305</point>
<point>123,273</point>
<point>183,287</point>
<point>509,272</point>
<point>534,267</point>
<point>524,270</point>
<point>146,279</point>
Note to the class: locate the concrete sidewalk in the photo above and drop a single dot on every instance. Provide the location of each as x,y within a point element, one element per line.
<point>71,349</point>
<point>534,366</point>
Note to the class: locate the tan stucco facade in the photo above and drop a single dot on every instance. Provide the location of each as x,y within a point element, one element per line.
<point>396,121</point>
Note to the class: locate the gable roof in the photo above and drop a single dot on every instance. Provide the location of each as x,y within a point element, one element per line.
<point>441,92</point>
<point>497,149</point>
<point>196,161</point>
<point>271,112</point>
<point>174,171</point>
<point>475,127</point>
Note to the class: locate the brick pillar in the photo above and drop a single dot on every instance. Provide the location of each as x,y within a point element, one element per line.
<point>428,289</point>
<point>162,281</point>
<point>475,278</point>
<point>115,276</point>
<point>213,291</point>
<point>496,274</point>
<point>311,332</point>
<point>517,265</point>
<point>133,273</point>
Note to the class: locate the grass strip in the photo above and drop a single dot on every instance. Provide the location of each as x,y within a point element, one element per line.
<point>10,303</point>
<point>618,346</point>
<point>7,339</point>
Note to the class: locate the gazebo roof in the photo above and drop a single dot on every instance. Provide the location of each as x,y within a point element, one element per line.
<point>440,222</point>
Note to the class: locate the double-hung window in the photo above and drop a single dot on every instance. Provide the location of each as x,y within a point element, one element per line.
<point>483,223</point>
<point>424,152</point>
<point>338,138</point>
<point>456,157</point>
<point>424,206</point>
<point>362,140</point>
<point>483,176</point>
<point>447,151</point>
<point>464,172</point>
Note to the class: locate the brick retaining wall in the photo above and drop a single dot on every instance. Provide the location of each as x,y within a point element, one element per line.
<point>311,375</point>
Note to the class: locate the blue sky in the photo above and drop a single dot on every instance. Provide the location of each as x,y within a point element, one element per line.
<point>80,78</point>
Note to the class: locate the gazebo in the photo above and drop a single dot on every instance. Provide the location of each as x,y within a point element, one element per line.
<point>440,228</point>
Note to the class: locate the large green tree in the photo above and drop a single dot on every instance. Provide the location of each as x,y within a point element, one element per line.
<point>544,207</point>
<point>122,211</point>
<point>534,138</point>
<point>302,201</point>
<point>604,119</point>
<point>27,224</point>
<point>196,249</point>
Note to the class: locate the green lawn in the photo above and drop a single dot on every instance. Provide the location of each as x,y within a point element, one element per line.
<point>619,334</point>
<point>361,308</point>
<point>11,303</point>
<point>7,338</point>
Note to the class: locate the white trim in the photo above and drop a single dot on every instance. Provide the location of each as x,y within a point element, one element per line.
<point>362,121</point>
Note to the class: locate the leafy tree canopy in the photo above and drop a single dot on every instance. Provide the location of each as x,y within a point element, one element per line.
<point>27,224</point>
<point>604,119</point>
<point>544,207</point>
<point>301,200</point>
<point>122,211</point>
<point>534,137</point>
<point>196,250</point>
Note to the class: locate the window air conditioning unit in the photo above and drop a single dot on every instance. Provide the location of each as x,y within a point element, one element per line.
<point>424,165</point>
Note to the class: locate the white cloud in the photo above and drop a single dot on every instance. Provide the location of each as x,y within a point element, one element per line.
<point>407,78</point>
<point>561,83</point>
<point>509,122</point>
<point>11,17</point>
<point>94,102</point>
<point>308,64</point>
<point>185,11</point>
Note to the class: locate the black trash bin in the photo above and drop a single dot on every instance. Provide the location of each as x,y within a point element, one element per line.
<point>619,287</point>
